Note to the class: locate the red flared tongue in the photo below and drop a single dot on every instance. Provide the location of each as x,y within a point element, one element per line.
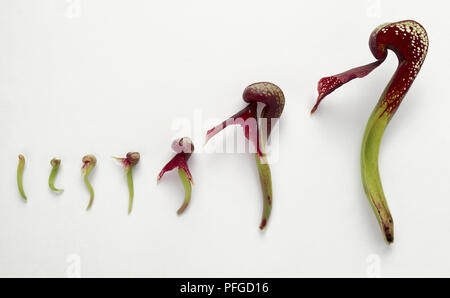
<point>85,164</point>
<point>329,84</point>
<point>247,119</point>
<point>178,161</point>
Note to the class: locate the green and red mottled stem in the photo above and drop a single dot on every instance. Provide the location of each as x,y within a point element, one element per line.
<point>55,163</point>
<point>20,169</point>
<point>187,189</point>
<point>409,41</point>
<point>184,148</point>
<point>89,162</point>
<point>273,98</point>
<point>265,179</point>
<point>128,163</point>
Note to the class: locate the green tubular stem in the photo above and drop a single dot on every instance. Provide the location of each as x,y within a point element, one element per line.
<point>89,186</point>
<point>20,169</point>
<point>369,169</point>
<point>130,188</point>
<point>266,186</point>
<point>187,190</point>
<point>51,179</point>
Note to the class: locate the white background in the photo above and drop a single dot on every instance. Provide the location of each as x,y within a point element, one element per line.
<point>107,77</point>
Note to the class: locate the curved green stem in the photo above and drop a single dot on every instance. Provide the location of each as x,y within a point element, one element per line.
<point>128,164</point>
<point>370,174</point>
<point>187,190</point>
<point>20,168</point>
<point>130,188</point>
<point>89,186</point>
<point>266,186</point>
<point>53,173</point>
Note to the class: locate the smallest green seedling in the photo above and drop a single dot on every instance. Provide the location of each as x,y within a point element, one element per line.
<point>89,162</point>
<point>55,163</point>
<point>20,169</point>
<point>128,164</point>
